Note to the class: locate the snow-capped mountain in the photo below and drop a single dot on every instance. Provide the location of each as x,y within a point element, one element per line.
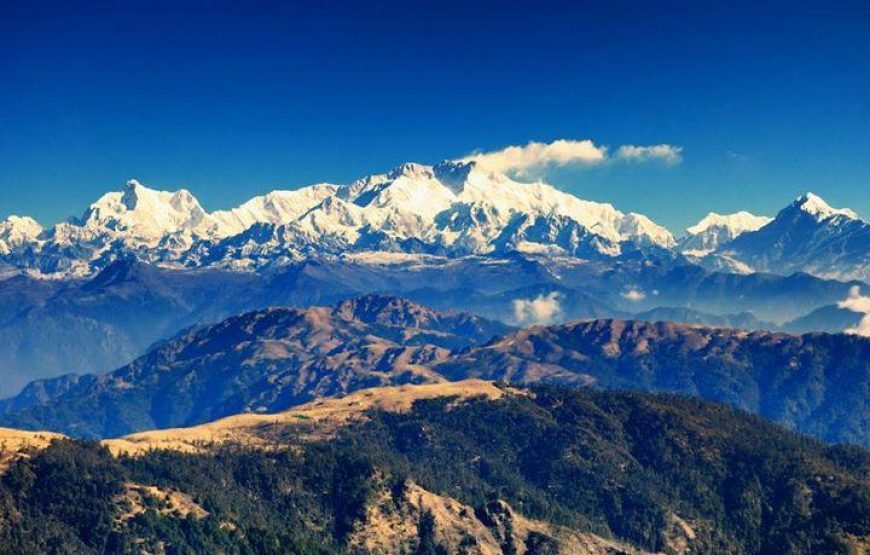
<point>806,236</point>
<point>16,232</point>
<point>452,208</point>
<point>276,208</point>
<point>145,215</point>
<point>715,230</point>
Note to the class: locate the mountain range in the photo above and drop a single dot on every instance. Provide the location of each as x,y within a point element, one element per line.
<point>97,324</point>
<point>451,209</point>
<point>52,327</point>
<point>806,236</point>
<point>269,360</point>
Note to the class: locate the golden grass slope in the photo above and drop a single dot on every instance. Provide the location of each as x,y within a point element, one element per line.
<point>316,419</point>
<point>17,443</point>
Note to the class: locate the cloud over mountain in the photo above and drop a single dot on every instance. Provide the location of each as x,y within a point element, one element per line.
<point>565,152</point>
<point>543,309</point>
<point>856,302</point>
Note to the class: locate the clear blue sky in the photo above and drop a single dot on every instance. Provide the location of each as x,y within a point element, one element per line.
<point>232,99</point>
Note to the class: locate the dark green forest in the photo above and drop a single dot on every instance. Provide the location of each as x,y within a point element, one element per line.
<point>615,464</point>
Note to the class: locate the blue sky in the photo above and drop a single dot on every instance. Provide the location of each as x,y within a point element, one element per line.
<point>233,99</point>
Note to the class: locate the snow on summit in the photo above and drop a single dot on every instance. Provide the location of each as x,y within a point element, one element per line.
<point>16,231</point>
<point>715,230</point>
<point>146,213</point>
<point>814,205</point>
<point>454,208</point>
<point>451,208</point>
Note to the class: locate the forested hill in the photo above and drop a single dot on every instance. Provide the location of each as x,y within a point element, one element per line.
<point>485,471</point>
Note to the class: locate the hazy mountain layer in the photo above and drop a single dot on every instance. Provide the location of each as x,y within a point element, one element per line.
<point>48,328</point>
<point>272,359</point>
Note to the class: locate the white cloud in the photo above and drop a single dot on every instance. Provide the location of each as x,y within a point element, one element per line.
<point>564,152</point>
<point>863,327</point>
<point>543,309</point>
<point>669,154</point>
<point>634,295</point>
<point>856,302</point>
<point>520,159</point>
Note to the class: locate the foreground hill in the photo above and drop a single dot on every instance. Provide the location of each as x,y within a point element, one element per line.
<point>269,360</point>
<point>450,468</point>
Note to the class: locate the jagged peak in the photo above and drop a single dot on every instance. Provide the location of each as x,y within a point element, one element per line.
<point>816,206</point>
<point>454,174</point>
<point>16,231</point>
<point>143,212</point>
<point>14,219</point>
<point>135,193</point>
<point>412,170</point>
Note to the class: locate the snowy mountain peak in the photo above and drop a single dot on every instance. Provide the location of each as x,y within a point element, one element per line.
<point>145,213</point>
<point>452,208</point>
<point>815,206</point>
<point>23,225</point>
<point>638,226</point>
<point>715,230</point>
<point>808,236</point>
<point>277,207</point>
<point>16,231</point>
<point>738,222</point>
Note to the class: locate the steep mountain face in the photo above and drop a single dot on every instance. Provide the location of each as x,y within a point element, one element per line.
<point>807,236</point>
<point>269,360</point>
<point>275,208</point>
<point>451,208</point>
<point>261,361</point>
<point>458,468</point>
<point>140,214</point>
<point>714,230</point>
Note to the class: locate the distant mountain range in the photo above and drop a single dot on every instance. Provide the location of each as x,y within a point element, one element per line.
<point>94,325</point>
<point>452,209</point>
<point>272,359</point>
<point>806,236</point>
